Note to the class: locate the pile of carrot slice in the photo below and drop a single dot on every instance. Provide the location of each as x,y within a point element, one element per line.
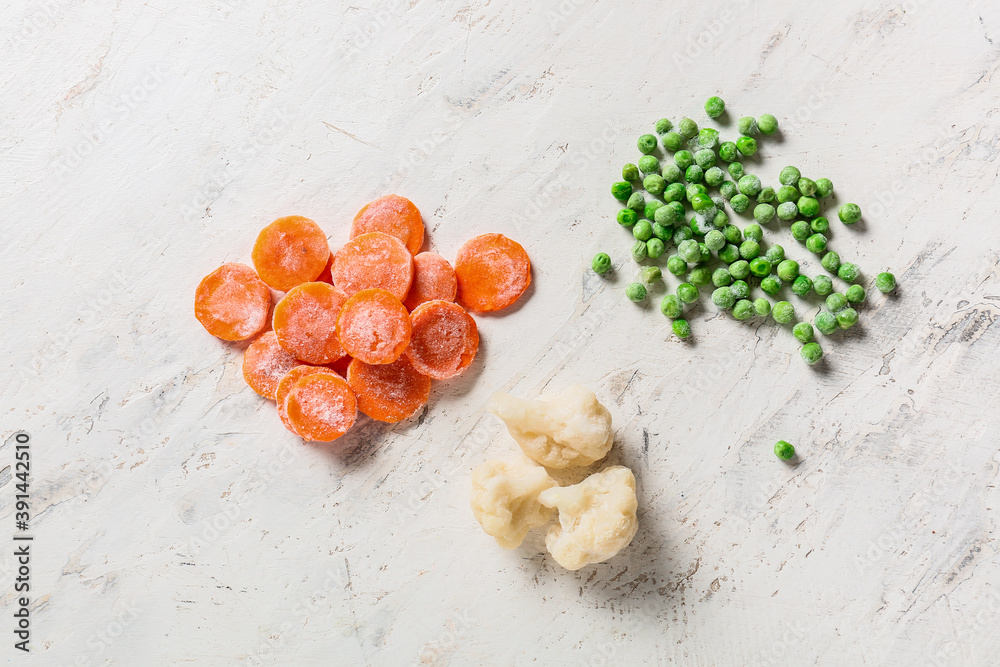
<point>364,328</point>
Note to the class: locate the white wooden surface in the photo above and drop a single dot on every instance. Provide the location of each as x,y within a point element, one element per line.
<point>176,522</point>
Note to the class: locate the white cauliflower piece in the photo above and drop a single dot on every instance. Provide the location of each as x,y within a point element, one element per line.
<point>569,428</point>
<point>505,499</point>
<point>596,518</point>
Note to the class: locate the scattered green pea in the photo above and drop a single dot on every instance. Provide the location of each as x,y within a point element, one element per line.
<point>749,249</point>
<point>808,206</point>
<point>803,332</point>
<point>714,177</point>
<point>721,218</point>
<point>622,190</point>
<point>848,272</point>
<point>654,247</point>
<point>811,353</point>
<point>663,126</point>
<point>637,201</point>
<point>682,234</point>
<point>749,185</point>
<point>885,282</point>
<point>700,276</point>
<point>654,184</point>
<point>763,213</point>
<point>824,187</point>
<point>681,328</point>
<point>784,450</point>
<point>636,292</point>
<point>766,195</point>
<point>671,174</point>
<point>676,265</point>
<point>760,267</point>
<point>746,145</point>
<point>789,176</point>
<point>651,207</point>
<point>826,322</point>
<point>771,284</point>
<point>646,144</point>
<point>855,294</point>
<point>671,306</point>
<point>788,210</point>
<point>733,234</point>
<point>802,286</point>
<point>672,141</point>
<point>683,159</point>
<point>728,151</point>
<point>721,277</point>
<point>816,243</point>
<point>648,164</point>
<point>788,270</point>
<point>767,124</point>
<point>601,263</point>
<point>740,202</point>
<point>715,240</point>
<point>800,230</point>
<point>687,292</point>
<point>847,318</point>
<point>627,217</point>
<point>820,225</point>
<point>643,230</point>
<point>753,231</point>
<point>762,306</point>
<point>639,251</point>
<point>807,186</point>
<point>650,274</point>
<point>740,289</point>
<point>694,174</point>
<point>747,126</point>
<point>743,309</point>
<point>786,193</point>
<point>695,189</point>
<point>783,312</point>
<point>673,213</point>
<point>661,231</point>
<point>714,106</point>
<point>736,170</point>
<point>705,158</point>
<point>630,172</point>
<point>775,254</point>
<point>674,191</point>
<point>729,254</point>
<point>708,138</point>
<point>849,213</point>
<point>836,302</point>
<point>739,268</point>
<point>687,128</point>
<point>822,285</point>
<point>723,298</point>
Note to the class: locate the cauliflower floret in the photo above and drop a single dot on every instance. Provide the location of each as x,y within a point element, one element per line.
<point>570,428</point>
<point>596,518</point>
<point>505,499</point>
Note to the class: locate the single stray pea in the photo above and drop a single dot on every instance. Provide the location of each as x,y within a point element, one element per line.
<point>885,282</point>
<point>816,243</point>
<point>820,225</point>
<point>627,217</point>
<point>630,172</point>
<point>847,318</point>
<point>784,450</point>
<point>786,193</point>
<point>687,292</point>
<point>639,251</point>
<point>747,126</point>
<point>788,210</point>
<point>714,106</point>
<point>743,310</point>
<point>800,229</point>
<point>763,213</point>
<point>788,270</point>
<point>621,190</point>
<point>802,286</point>
<point>740,202</point>
<point>601,263</point>
<point>654,184</point>
<point>739,269</point>
<point>643,230</point>
<point>762,307</point>
<point>746,145</point>
<point>848,272</point>
<point>648,164</point>
<point>760,267</point>
<point>811,353</point>
<point>789,176</point>
<point>822,285</point>
<point>654,247</point>
<point>783,312</point>
<point>650,274</point>
<point>672,141</point>
<point>824,187</point>
<point>826,322</point>
<point>663,126</point>
<point>723,298</point>
<point>855,294</point>
<point>767,124</point>
<point>671,306</point>
<point>803,332</point>
<point>849,213</point>
<point>646,144</point>
<point>687,127</point>
<point>636,292</point>
<point>836,302</point>
<point>771,284</point>
<point>681,328</point>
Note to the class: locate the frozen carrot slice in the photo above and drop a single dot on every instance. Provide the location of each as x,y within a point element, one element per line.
<point>264,364</point>
<point>327,275</point>
<point>374,327</point>
<point>232,302</point>
<point>445,339</point>
<point>373,260</point>
<point>289,379</point>
<point>433,279</point>
<point>305,322</point>
<point>392,215</point>
<point>290,251</point>
<point>388,392</point>
<point>492,272</point>
<point>321,407</point>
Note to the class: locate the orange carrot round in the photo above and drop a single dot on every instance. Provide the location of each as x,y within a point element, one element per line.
<point>232,302</point>
<point>320,407</point>
<point>433,279</point>
<point>374,327</point>
<point>445,339</point>
<point>388,392</point>
<point>264,364</point>
<point>392,215</point>
<point>289,379</point>
<point>305,322</point>
<point>373,260</point>
<point>492,271</point>
<point>290,251</point>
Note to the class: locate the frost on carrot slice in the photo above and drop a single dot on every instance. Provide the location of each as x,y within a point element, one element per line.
<point>320,407</point>
<point>445,339</point>
<point>393,215</point>
<point>492,271</point>
<point>290,251</point>
<point>232,302</point>
<point>373,260</point>
<point>388,392</point>
<point>374,327</point>
<point>433,279</point>
<point>289,379</point>
<point>305,322</point>
<point>264,364</point>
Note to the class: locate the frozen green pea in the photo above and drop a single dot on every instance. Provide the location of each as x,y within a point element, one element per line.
<point>637,202</point>
<point>849,213</point>
<point>682,234</point>
<point>763,213</point>
<point>848,272</point>
<point>788,270</point>
<point>788,210</point>
<point>855,294</point>
<point>783,312</point>
<point>714,106</point>
<point>766,195</point>
<point>749,249</point>
<point>672,141</point>
<point>708,138</point>
<point>648,164</point>
<point>767,124</point>
<point>885,282</point>
<point>695,189</point>
<point>651,207</point>
<point>674,213</point>
<point>836,302</point>
<point>714,177</point>
<point>687,292</point>
<point>689,251</point>
<point>715,240</point>
<point>728,151</point>
<point>771,284</point>
<point>654,184</point>
<point>822,285</point>
<point>705,158</point>
<point>681,328</point>
<point>700,276</point>
<point>802,286</point>
<point>650,274</point>
<point>721,277</point>
<point>747,126</point>
<point>784,450</point>
<point>729,254</point>
<point>601,263</point>
<point>728,190</point>
<point>700,202</point>
<point>643,230</point>
<point>674,191</point>
<point>775,254</point>
<point>636,292</point>
<point>662,232</point>
<point>671,173</point>
<point>630,172</point>
<point>820,225</point>
<point>646,144</point>
<point>676,265</point>
<point>816,243</point>
<point>749,185</point>
<point>733,234</point>
<point>847,318</point>
<point>762,307</point>
<point>803,332</point>
<point>622,190</point>
<point>739,269</point>
<point>683,159</point>
<point>806,186</point>
<point>654,247</point>
<point>721,218</point>
<point>760,267</point>
<point>746,145</point>
<point>694,174</point>
<point>789,176</point>
<point>627,217</point>
<point>824,187</point>
<point>808,206</point>
<point>800,230</point>
<point>753,231</point>
<point>687,128</point>
<point>671,306</point>
<point>740,289</point>
<point>743,309</point>
<point>723,298</point>
<point>831,261</point>
<point>811,353</point>
<point>663,126</point>
<point>736,170</point>
<point>826,322</point>
<point>639,251</point>
<point>786,193</point>
<point>740,203</point>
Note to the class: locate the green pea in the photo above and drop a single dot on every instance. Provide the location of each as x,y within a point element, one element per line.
<point>715,240</point>
<point>783,312</point>
<point>855,294</point>
<point>749,249</point>
<point>663,126</point>
<point>673,212</point>
<point>789,176</point>
<point>849,213</point>
<point>811,353</point>
<point>803,332</point>
<point>650,274</point>
<point>848,272</point>
<point>743,309</point>
<point>816,243</point>
<point>681,328</point>
<point>802,286</point>
<point>708,138</point>
<point>651,207</point>
<point>739,203</point>
<point>639,251</point>
<point>700,276</point>
<point>671,173</point>
<point>648,164</point>
<point>694,174</point>
<point>729,254</point>
<point>654,184</point>
<point>747,126</point>
<point>763,213</point>
<point>749,185</point>
<point>753,231</point>
<point>784,450</point>
<point>689,251</point>
<point>674,191</point>
<point>661,231</point>
<point>647,144</point>
<point>788,210</point>
<point>728,151</point>
<point>627,217</point>
<point>822,285</point>
<point>643,230</point>
<point>671,306</point>
<point>728,190</point>
<point>630,172</point>
<point>820,225</point>
<point>683,159</point>
<point>714,106</point>
<point>736,170</point>
<point>733,234</point>
<point>807,186</point>
<point>740,289</point>
<point>695,189</point>
<point>808,207</point>
<point>723,298</point>
<point>739,269</point>
<point>826,322</point>
<point>766,195</point>
<point>721,277</point>
<point>760,267</point>
<point>762,307</point>
<point>786,193</point>
<point>601,263</point>
<point>687,292</point>
<point>836,302</point>
<point>767,124</point>
<point>637,202</point>
<point>705,158</point>
<point>622,190</point>
<point>682,234</point>
<point>771,284</point>
<point>775,254</point>
<point>847,318</point>
<point>788,270</point>
<point>687,127</point>
<point>672,141</point>
<point>800,230</point>
<point>714,176</point>
<point>746,145</point>
<point>676,265</point>
<point>885,282</point>
<point>654,247</point>
<point>824,187</point>
<point>636,292</point>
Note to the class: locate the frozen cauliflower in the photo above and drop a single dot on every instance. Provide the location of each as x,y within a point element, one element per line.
<point>569,428</point>
<point>596,518</point>
<point>505,499</point>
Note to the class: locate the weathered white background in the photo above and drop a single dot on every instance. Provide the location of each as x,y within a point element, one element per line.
<point>176,522</point>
